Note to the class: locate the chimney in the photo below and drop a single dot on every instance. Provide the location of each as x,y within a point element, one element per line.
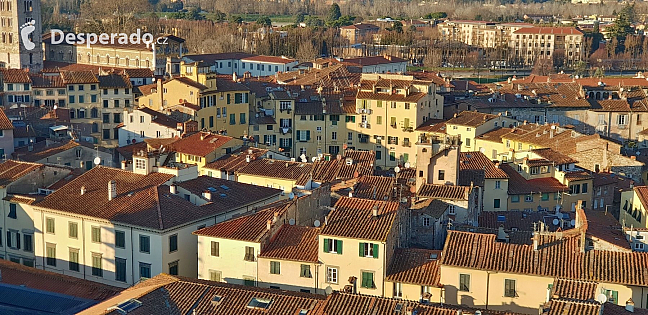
<point>173,189</point>
<point>247,158</point>
<point>535,241</point>
<point>630,305</point>
<point>374,211</point>
<point>351,194</point>
<point>160,92</point>
<point>112,190</point>
<point>202,136</point>
<point>275,217</point>
<point>123,165</point>
<point>269,224</point>
<point>497,164</point>
<point>207,195</point>
<point>83,190</point>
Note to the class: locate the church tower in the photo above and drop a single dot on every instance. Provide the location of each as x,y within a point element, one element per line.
<point>20,34</point>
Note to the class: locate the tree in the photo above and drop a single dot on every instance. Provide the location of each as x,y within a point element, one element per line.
<point>599,72</point>
<point>334,13</point>
<point>623,24</point>
<point>235,19</point>
<point>306,51</point>
<point>579,68</point>
<point>436,15</point>
<point>193,14</point>
<point>397,27</point>
<point>264,21</point>
<point>299,18</point>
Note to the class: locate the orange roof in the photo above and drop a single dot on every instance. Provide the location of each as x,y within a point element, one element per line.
<point>415,266</point>
<point>574,289</point>
<point>470,119</point>
<point>269,59</point>
<point>297,243</point>
<point>15,76</point>
<point>79,77</point>
<point>447,192</point>
<point>478,161</point>
<point>200,143</point>
<point>5,123</point>
<point>11,170</point>
<point>353,218</point>
<point>484,252</point>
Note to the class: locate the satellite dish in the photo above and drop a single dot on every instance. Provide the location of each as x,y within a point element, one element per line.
<point>601,298</point>
<point>55,107</point>
<point>572,222</point>
<point>317,223</point>
<point>555,221</point>
<point>407,164</point>
<point>396,169</point>
<point>638,153</point>
<point>482,150</point>
<point>291,221</point>
<point>303,156</point>
<point>97,160</point>
<point>291,196</point>
<point>314,159</point>
<point>328,290</point>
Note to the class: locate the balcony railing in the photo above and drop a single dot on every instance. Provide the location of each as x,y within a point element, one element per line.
<point>408,129</point>
<point>407,144</point>
<point>363,111</point>
<point>364,125</point>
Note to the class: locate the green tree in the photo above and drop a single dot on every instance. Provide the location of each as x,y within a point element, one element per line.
<point>334,13</point>
<point>397,27</point>
<point>235,19</point>
<point>193,14</point>
<point>436,15</point>
<point>623,24</point>
<point>299,18</point>
<point>264,21</point>
<point>599,73</point>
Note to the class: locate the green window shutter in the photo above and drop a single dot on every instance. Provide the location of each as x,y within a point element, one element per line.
<point>339,247</point>
<point>326,244</point>
<point>352,119</point>
<point>375,250</point>
<point>298,137</point>
<point>361,252</point>
<point>307,134</point>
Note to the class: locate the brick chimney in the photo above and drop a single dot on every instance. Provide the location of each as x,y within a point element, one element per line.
<point>112,190</point>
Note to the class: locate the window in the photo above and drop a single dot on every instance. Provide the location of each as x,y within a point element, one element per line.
<point>242,118</point>
<point>368,280</point>
<point>535,170</point>
<point>332,274</point>
<point>215,275</point>
<point>145,270</point>
<point>145,244</point>
<point>464,282</point>
<point>574,189</point>
<point>12,211</point>
<point>96,234</point>
<point>120,269</point>
<point>467,142</point>
<point>509,288</point>
<point>441,175</point>
<point>332,246</point>
<point>275,267</point>
<point>249,253</point>
<point>96,265</point>
<point>305,271</point>
<point>174,268</point>
<point>528,198</point>
<point>120,239</point>
<point>232,120</point>
<point>249,281</point>
<point>496,203</point>
<point>50,254</point>
<point>368,250</point>
<point>426,221</point>
<point>49,225</point>
<point>333,135</point>
<point>498,184</point>
<point>173,243</point>
<point>215,249</point>
<point>452,210</point>
<point>73,263</point>
<point>28,240</point>
<point>398,290</point>
<point>622,119</point>
<point>584,188</point>
<point>515,198</point>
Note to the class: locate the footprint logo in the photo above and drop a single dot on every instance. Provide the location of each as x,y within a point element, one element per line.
<point>25,30</point>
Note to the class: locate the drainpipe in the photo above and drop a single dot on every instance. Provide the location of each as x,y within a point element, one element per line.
<point>487,287</point>
<point>83,245</point>
<point>132,258</point>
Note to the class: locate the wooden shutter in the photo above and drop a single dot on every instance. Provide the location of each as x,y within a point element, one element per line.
<point>339,247</point>
<point>375,250</point>
<point>326,245</point>
<point>361,253</point>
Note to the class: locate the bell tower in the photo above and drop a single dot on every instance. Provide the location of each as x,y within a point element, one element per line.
<point>20,34</point>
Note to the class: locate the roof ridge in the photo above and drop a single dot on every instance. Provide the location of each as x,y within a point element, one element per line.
<point>158,205</point>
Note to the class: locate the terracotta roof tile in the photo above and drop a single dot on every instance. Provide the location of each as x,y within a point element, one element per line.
<point>614,309</point>
<point>478,161</point>
<point>79,77</point>
<point>373,60</point>
<point>296,243</point>
<point>160,118</point>
<point>445,192</point>
<point>12,170</point>
<point>42,150</point>
<point>412,97</point>
<point>574,289</point>
<point>555,157</point>
<point>374,187</point>
<point>250,227</point>
<point>276,169</point>
<point>518,185</point>
<point>236,160</point>
<point>604,227</point>
<point>415,266</point>
<point>15,76</point>
<point>201,143</point>
<point>269,59</point>
<point>353,218</point>
<point>577,175</point>
<point>470,119</point>
<point>5,123</point>
<point>114,81</point>
<point>16,274</point>
<point>189,82</point>
<point>483,252</point>
<point>549,30</point>
<point>46,81</point>
<point>560,307</point>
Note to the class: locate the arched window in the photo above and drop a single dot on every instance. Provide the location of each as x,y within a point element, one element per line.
<point>89,58</point>
<point>117,60</point>
<point>94,113</point>
<point>127,62</point>
<point>148,63</point>
<point>98,59</point>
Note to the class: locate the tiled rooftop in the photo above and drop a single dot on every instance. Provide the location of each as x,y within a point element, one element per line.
<point>415,266</point>
<point>12,170</point>
<point>353,218</point>
<point>296,243</point>
<point>200,143</point>
<point>445,192</point>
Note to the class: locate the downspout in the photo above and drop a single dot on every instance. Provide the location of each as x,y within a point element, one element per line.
<point>132,259</point>
<point>487,287</point>
<point>43,237</point>
<point>83,245</point>
<point>384,267</point>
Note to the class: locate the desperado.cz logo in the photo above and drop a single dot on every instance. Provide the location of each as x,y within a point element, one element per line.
<point>25,30</point>
<point>89,39</point>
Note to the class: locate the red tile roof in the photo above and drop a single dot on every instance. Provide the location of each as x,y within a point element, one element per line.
<point>79,77</point>
<point>412,97</point>
<point>42,150</point>
<point>478,161</point>
<point>189,82</point>
<point>602,226</point>
<point>374,187</point>
<point>5,123</point>
<point>201,143</point>
<point>15,76</point>
<point>483,252</point>
<point>11,171</point>
<point>518,185</point>
<point>160,118</point>
<point>16,274</point>
<point>574,289</point>
<point>560,307</point>
<point>553,156</point>
<point>236,160</point>
<point>361,26</point>
<point>250,227</point>
<point>353,218</point>
<point>470,119</point>
<point>415,266</point>
<point>445,192</point>
<point>297,171</point>
<point>373,60</point>
<point>269,59</point>
<point>291,242</point>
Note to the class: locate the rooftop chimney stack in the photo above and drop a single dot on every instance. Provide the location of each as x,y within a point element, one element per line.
<point>173,189</point>
<point>630,305</point>
<point>123,165</point>
<point>275,217</point>
<point>83,190</point>
<point>207,195</point>
<point>374,211</point>
<point>112,190</point>
<point>269,224</point>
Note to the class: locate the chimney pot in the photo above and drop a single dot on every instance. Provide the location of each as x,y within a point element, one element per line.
<point>83,190</point>
<point>269,224</point>
<point>112,190</point>
<point>630,305</point>
<point>275,217</point>
<point>207,195</point>
<point>173,189</point>
<point>374,211</point>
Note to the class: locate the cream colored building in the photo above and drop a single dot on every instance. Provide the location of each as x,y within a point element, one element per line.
<point>414,275</point>
<point>388,109</point>
<point>532,43</point>
<point>634,207</point>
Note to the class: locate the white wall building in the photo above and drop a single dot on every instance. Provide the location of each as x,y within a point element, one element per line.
<point>144,123</point>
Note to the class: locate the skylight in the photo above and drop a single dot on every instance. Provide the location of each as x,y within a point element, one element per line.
<point>259,303</point>
<point>126,306</point>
